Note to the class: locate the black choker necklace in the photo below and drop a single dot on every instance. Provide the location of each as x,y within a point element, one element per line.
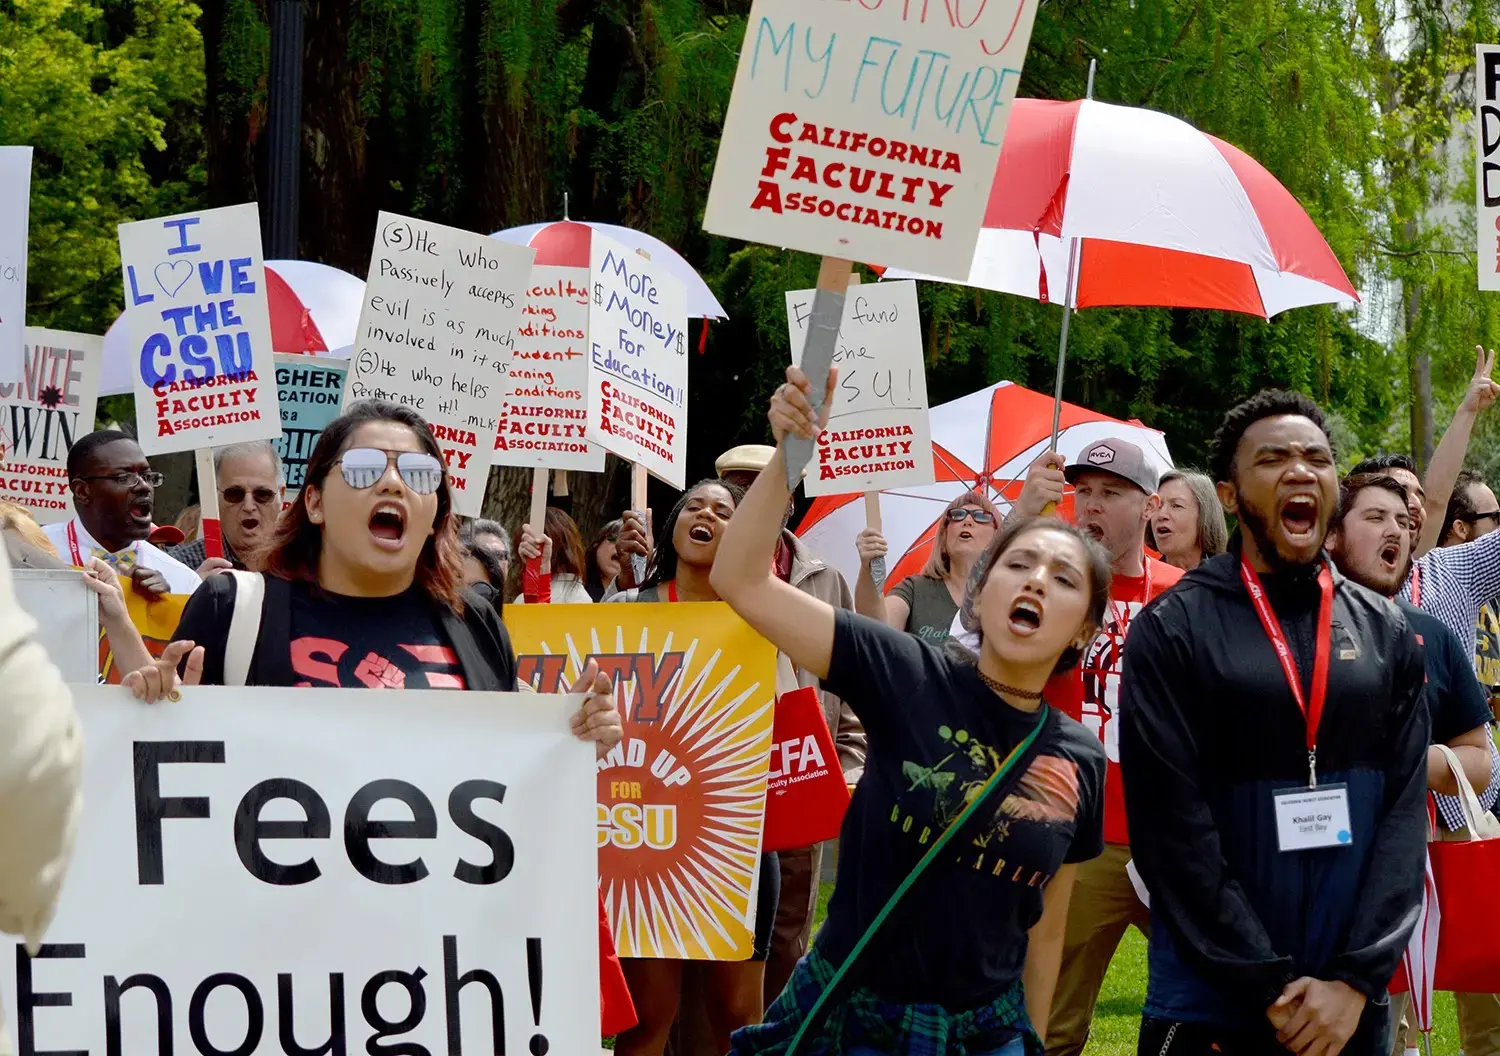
<point>1002,688</point>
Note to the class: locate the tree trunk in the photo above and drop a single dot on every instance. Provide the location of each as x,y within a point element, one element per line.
<point>597,497</point>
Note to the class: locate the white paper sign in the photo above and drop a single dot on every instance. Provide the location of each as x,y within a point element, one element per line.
<point>67,618</point>
<point>199,329</point>
<point>1487,164</point>
<point>436,333</point>
<point>638,362</point>
<point>43,414</point>
<point>869,130</point>
<point>389,870</point>
<point>879,435</point>
<point>15,220</point>
<point>543,410</point>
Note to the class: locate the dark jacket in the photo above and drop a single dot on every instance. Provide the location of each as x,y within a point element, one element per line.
<point>1209,728</point>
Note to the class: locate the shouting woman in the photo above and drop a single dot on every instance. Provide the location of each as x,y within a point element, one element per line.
<point>957,854</point>
<point>1189,527</point>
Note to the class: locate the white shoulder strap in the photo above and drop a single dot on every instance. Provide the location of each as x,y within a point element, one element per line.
<point>244,625</point>
<point>1480,823</point>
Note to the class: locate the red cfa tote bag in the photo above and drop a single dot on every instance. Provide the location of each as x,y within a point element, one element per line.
<point>806,796</point>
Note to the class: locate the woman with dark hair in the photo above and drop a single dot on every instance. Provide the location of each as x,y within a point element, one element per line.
<point>957,855</point>
<point>562,556</point>
<point>601,563</point>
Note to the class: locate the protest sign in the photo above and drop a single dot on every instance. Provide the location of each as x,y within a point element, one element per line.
<point>542,409</point>
<point>685,790</point>
<point>638,366</point>
<point>436,333</point>
<point>199,330</point>
<point>15,221</point>
<point>869,131</point>
<point>67,617</point>
<point>1487,165</point>
<point>361,872</point>
<point>311,390</point>
<point>878,433</point>
<point>156,618</point>
<point>42,414</point>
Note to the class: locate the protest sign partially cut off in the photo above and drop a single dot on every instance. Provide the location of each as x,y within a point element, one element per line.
<point>311,389</point>
<point>1487,164</point>
<point>42,415</point>
<point>15,217</point>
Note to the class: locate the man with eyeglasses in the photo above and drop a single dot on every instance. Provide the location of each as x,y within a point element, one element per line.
<point>114,490</point>
<point>251,486</point>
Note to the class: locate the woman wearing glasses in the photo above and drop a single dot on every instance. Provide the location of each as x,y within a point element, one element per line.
<point>925,604</point>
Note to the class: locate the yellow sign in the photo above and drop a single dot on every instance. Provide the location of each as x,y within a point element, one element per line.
<point>157,621</point>
<point>682,797</point>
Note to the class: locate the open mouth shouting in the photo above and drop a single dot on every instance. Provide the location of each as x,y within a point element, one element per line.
<point>388,526</point>
<point>1389,554</point>
<point>1299,519</point>
<point>701,533</point>
<point>1025,617</point>
<point>141,510</point>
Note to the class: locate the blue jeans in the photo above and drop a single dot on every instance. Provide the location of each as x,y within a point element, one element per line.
<point>1014,1047</point>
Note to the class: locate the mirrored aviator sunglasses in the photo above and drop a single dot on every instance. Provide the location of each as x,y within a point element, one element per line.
<point>362,467</point>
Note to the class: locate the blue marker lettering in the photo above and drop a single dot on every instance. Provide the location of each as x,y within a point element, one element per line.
<point>239,276</point>
<point>974,92</point>
<point>156,345</point>
<point>228,360</point>
<point>136,296</point>
<point>211,274</point>
<point>178,317</point>
<point>182,238</point>
<point>866,61</point>
<point>776,46</point>
<point>194,353</point>
<point>826,59</point>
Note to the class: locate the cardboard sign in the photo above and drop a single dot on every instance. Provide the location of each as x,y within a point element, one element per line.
<point>436,334</point>
<point>67,617</point>
<point>311,390</point>
<point>15,221</point>
<point>42,414</point>
<point>869,131</point>
<point>543,410</point>
<point>638,363</point>
<point>428,886</point>
<point>1487,164</point>
<point>879,435</point>
<point>199,329</point>
<point>685,791</point>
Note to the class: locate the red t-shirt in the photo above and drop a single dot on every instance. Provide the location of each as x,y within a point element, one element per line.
<point>1091,691</point>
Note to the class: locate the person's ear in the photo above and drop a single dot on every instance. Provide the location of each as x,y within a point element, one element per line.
<point>80,492</point>
<point>1460,530</point>
<point>1331,541</point>
<point>1153,504</point>
<point>313,496</point>
<point>1227,497</point>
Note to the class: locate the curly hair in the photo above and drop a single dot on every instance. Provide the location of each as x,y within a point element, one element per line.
<point>1268,403</point>
<point>663,565</point>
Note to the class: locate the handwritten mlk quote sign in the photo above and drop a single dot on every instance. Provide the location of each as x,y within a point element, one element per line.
<point>543,412</point>
<point>436,333</point>
<point>638,367</point>
<point>311,389</point>
<point>199,330</point>
<point>869,130</point>
<point>879,435</point>
<point>43,414</point>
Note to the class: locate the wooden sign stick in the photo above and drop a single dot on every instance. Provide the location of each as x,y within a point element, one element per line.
<point>208,503</point>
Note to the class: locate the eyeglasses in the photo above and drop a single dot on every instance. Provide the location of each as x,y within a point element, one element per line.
<point>362,467</point>
<point>129,480</point>
<point>980,516</point>
<point>1472,517</point>
<point>236,495</point>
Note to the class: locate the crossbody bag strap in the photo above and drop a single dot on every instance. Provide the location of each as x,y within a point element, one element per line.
<point>1021,753</point>
<point>244,625</point>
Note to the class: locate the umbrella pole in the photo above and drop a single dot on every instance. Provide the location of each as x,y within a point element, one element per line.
<point>1062,345</point>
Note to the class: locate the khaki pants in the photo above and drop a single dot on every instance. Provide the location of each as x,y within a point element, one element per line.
<point>1104,904</point>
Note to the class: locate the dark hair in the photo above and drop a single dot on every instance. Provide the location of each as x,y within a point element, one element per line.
<point>1383,464</point>
<point>295,549</point>
<point>593,578</point>
<point>1268,403</point>
<point>1460,506</point>
<point>84,447</point>
<point>663,566</point>
<point>1349,492</point>
<point>1098,572</point>
<point>567,543</point>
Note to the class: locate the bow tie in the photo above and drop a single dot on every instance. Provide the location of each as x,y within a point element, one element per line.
<point>123,562</point>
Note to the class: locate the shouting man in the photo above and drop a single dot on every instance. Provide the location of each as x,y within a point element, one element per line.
<point>251,486</point>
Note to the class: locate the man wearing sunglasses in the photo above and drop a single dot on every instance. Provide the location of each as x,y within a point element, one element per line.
<point>251,486</point>
<point>114,493</point>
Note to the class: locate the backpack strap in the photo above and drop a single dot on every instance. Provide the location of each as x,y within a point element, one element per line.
<point>244,625</point>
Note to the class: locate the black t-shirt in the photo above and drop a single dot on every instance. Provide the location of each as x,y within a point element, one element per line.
<point>936,734</point>
<point>930,607</point>
<point>1455,701</point>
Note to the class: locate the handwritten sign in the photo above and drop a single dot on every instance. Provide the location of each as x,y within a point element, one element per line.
<point>199,330</point>
<point>436,333</point>
<point>311,390</point>
<point>1487,165</point>
<point>878,434</point>
<point>871,130</point>
<point>638,365</point>
<point>15,217</point>
<point>42,414</point>
<point>543,411</point>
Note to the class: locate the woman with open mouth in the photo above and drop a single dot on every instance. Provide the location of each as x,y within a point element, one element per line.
<point>1189,526</point>
<point>957,854</point>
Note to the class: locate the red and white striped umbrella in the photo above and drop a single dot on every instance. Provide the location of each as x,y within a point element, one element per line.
<point>1166,215</point>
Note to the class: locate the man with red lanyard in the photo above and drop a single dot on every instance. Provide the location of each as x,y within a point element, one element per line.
<point>1274,744</point>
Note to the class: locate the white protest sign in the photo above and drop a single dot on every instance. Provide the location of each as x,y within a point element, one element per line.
<point>543,409</point>
<point>436,333</point>
<point>384,872</point>
<point>42,414</point>
<point>638,363</point>
<point>1487,164</point>
<point>67,618</point>
<point>879,435</point>
<point>15,221</point>
<point>199,330</point>
<point>869,131</point>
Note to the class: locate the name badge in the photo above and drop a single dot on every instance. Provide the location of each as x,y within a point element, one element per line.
<point>1309,818</point>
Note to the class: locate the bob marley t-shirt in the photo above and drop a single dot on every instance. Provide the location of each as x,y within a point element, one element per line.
<point>936,734</point>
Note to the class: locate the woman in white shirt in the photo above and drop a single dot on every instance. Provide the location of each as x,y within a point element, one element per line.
<point>566,557</point>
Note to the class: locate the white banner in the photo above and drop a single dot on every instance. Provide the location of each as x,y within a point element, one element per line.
<point>878,433</point>
<point>397,872</point>
<point>638,364</point>
<point>15,221</point>
<point>436,334</point>
<point>543,409</point>
<point>869,130</point>
<point>199,330</point>
<point>43,414</point>
<point>1487,164</point>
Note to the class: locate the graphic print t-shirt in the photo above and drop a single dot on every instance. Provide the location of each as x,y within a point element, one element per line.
<point>931,607</point>
<point>1091,691</point>
<point>1487,648</point>
<point>959,937</point>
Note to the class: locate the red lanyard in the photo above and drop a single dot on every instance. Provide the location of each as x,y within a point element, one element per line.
<point>1122,613</point>
<point>1312,710</point>
<point>73,545</point>
<point>1416,585</point>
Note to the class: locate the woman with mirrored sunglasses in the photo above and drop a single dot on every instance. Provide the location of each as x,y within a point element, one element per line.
<point>925,604</point>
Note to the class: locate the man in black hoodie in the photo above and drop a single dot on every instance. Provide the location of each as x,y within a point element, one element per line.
<point>1273,747</point>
